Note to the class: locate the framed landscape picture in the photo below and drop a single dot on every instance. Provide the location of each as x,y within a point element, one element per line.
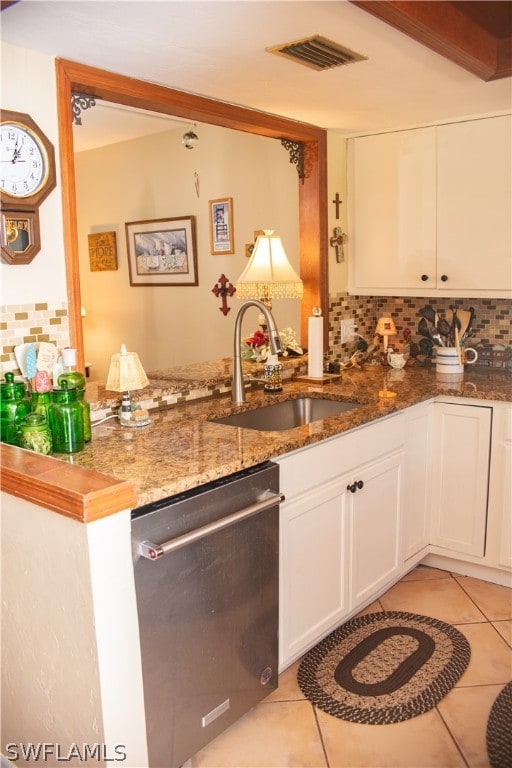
<point>162,251</point>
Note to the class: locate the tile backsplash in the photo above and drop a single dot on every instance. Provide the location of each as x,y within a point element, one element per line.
<point>42,321</point>
<point>22,323</point>
<point>492,325</point>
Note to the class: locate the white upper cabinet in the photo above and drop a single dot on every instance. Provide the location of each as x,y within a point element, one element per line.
<point>392,204</point>
<point>474,213</point>
<point>430,211</point>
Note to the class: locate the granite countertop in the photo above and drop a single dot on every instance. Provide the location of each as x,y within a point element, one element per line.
<point>182,448</point>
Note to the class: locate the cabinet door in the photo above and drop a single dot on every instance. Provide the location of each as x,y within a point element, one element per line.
<point>392,194</point>
<point>499,518</point>
<point>460,477</point>
<point>313,589</point>
<point>474,201</point>
<point>373,511</point>
<point>417,479</point>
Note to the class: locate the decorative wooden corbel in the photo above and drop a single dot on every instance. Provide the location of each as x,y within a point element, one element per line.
<point>224,288</point>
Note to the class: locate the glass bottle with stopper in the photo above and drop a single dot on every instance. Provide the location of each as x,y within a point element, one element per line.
<point>76,379</point>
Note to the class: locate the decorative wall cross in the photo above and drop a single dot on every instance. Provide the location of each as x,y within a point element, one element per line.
<point>337,241</point>
<point>337,202</point>
<point>223,288</point>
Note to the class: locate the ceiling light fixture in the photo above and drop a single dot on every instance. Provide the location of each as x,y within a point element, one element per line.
<point>190,139</point>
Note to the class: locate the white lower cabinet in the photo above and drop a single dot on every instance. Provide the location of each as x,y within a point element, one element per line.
<point>362,508</point>
<point>499,524</point>
<point>338,547</point>
<point>314,576</point>
<point>460,477</point>
<point>417,483</point>
<point>373,502</point>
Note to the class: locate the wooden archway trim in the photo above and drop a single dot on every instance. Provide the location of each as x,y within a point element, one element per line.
<point>79,78</point>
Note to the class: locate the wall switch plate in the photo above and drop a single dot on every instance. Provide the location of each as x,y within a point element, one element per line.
<point>348,331</point>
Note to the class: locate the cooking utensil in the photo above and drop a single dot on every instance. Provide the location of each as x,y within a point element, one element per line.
<point>470,324</point>
<point>443,327</point>
<point>424,330</point>
<point>451,316</point>
<point>464,317</point>
<point>428,313</point>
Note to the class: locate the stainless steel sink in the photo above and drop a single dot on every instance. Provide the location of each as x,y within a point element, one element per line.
<point>286,415</point>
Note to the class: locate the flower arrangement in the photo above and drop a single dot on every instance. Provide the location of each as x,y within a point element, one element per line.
<point>256,347</point>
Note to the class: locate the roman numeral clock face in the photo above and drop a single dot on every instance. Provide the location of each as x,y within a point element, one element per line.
<point>27,176</point>
<point>23,161</point>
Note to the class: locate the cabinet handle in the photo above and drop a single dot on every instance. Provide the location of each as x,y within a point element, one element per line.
<point>424,278</point>
<point>444,278</point>
<point>360,484</point>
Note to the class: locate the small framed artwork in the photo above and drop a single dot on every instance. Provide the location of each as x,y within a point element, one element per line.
<point>102,251</point>
<point>221,226</point>
<point>162,251</point>
<point>19,236</point>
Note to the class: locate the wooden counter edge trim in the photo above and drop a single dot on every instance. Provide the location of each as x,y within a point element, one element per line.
<point>75,492</point>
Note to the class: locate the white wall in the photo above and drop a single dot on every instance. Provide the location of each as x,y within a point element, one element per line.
<point>337,183</point>
<point>151,178</point>
<point>28,86</point>
<point>71,670</point>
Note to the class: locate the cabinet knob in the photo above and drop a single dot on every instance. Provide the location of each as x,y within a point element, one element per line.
<point>360,484</point>
<point>444,278</point>
<point>352,488</point>
<point>424,278</point>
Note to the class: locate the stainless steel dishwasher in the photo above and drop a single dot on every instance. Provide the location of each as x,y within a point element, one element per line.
<point>206,579</point>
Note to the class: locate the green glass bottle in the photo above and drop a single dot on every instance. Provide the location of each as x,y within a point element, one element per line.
<point>66,420</point>
<point>14,406</point>
<point>41,403</point>
<point>35,434</point>
<point>77,379</point>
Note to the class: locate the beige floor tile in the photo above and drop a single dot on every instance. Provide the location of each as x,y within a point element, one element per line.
<point>424,573</point>
<point>491,660</point>
<point>465,711</point>
<point>422,742</point>
<point>375,607</point>
<point>288,689</point>
<point>494,601</point>
<point>439,598</point>
<point>505,630</point>
<point>279,735</point>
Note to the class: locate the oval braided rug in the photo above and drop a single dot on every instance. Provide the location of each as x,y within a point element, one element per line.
<point>499,730</point>
<point>384,667</point>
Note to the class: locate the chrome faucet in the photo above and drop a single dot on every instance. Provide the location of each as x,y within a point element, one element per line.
<point>237,389</point>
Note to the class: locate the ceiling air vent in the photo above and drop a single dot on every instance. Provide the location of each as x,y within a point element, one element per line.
<point>317,52</point>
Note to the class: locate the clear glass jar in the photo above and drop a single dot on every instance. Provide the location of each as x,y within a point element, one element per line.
<point>35,434</point>
<point>66,420</point>
<point>14,406</point>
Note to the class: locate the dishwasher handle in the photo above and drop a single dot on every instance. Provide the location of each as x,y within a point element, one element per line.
<point>155,551</point>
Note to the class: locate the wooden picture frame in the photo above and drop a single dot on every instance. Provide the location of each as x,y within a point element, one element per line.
<point>222,239</point>
<point>162,251</point>
<point>19,236</point>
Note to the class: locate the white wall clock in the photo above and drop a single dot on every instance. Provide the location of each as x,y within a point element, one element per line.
<point>27,176</point>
